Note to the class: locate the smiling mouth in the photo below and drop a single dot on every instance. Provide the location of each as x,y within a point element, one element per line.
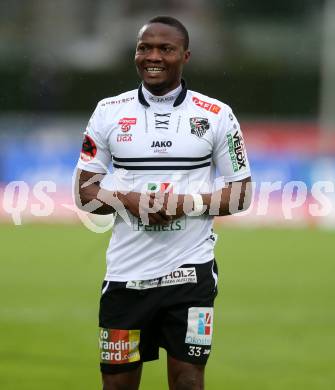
<point>154,70</point>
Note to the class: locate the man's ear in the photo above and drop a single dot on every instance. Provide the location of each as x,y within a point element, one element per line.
<point>187,56</point>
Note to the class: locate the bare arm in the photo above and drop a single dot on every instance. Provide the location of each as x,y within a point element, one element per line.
<point>86,190</point>
<point>233,198</point>
<point>92,198</point>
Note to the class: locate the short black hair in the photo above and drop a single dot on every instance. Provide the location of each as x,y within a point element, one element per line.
<point>170,21</point>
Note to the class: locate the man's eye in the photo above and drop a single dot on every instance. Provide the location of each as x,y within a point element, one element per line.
<point>142,49</point>
<point>167,49</point>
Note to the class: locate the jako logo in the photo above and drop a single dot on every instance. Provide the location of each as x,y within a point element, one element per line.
<point>161,144</point>
<point>204,323</point>
<point>126,123</point>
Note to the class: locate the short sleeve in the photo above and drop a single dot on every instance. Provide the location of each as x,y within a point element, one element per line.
<point>229,151</point>
<point>95,155</point>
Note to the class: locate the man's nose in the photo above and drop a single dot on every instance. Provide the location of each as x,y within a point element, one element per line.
<point>154,55</point>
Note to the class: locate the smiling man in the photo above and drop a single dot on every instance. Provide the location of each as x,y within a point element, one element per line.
<point>160,56</point>
<point>166,144</point>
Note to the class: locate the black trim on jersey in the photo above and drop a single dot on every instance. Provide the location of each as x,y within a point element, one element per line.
<point>141,97</point>
<point>148,159</point>
<point>180,98</point>
<point>161,167</point>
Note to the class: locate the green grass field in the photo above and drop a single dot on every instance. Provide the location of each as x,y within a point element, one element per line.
<point>274,319</point>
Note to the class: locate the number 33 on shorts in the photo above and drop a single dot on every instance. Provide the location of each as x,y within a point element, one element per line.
<point>194,351</point>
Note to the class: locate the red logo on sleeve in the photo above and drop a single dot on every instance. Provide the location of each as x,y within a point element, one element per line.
<point>214,108</point>
<point>89,149</point>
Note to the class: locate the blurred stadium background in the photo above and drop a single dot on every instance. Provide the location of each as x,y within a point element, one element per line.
<point>274,63</point>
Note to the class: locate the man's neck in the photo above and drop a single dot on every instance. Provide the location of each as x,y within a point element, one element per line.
<point>159,90</point>
<point>167,98</point>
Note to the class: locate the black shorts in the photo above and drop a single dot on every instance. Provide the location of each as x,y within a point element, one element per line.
<point>174,312</point>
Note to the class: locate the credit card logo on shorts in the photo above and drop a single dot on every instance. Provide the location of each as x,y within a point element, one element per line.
<point>199,326</point>
<point>236,151</point>
<point>119,346</point>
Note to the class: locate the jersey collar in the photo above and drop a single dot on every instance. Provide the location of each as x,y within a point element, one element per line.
<point>179,99</point>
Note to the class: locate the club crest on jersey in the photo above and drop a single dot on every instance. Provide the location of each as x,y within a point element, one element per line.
<point>126,123</point>
<point>199,126</point>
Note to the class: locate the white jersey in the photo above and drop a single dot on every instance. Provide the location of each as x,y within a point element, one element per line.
<point>173,143</point>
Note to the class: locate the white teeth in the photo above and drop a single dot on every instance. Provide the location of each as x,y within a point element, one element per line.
<point>155,70</point>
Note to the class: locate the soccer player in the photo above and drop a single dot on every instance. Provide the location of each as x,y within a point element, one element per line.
<point>166,144</point>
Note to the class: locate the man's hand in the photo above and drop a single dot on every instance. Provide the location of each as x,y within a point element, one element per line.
<point>149,207</point>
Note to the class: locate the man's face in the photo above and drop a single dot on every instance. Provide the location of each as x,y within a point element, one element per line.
<point>160,56</point>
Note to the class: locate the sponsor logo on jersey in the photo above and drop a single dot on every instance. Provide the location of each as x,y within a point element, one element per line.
<point>160,187</point>
<point>179,276</point>
<point>124,138</point>
<point>199,126</point>
<point>161,144</point>
<point>126,123</point>
<point>159,99</point>
<point>199,326</point>
<point>174,226</point>
<point>119,101</point>
<point>88,149</point>
<point>118,346</point>
<point>236,151</point>
<point>207,106</point>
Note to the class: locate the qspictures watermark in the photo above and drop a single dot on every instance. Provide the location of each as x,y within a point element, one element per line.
<point>21,199</point>
<point>16,197</point>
